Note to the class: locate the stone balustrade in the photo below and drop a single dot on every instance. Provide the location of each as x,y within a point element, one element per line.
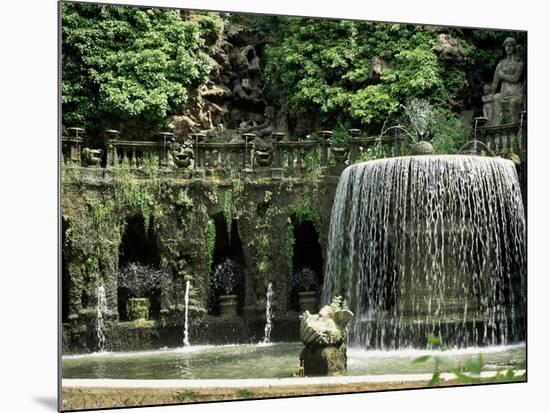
<point>274,157</point>
<point>385,146</point>
<point>135,152</point>
<point>71,146</point>
<point>502,139</point>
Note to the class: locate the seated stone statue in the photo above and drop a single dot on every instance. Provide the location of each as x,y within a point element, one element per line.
<point>265,128</point>
<point>487,100</point>
<point>508,100</point>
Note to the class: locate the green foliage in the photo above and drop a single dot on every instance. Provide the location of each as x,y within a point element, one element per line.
<point>228,210</point>
<point>136,196</point>
<point>338,303</point>
<point>319,68</point>
<point>469,373</point>
<point>210,243</point>
<point>371,153</point>
<point>262,241</point>
<point>448,131</point>
<point>340,137</point>
<point>290,240</point>
<point>129,66</point>
<point>183,204</point>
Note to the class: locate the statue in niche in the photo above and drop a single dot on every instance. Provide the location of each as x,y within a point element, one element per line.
<point>508,101</point>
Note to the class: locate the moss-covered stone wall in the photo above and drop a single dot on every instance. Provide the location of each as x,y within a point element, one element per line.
<point>97,203</point>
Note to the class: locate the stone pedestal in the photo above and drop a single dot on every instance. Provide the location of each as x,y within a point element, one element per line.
<point>228,305</point>
<point>324,360</point>
<point>307,300</point>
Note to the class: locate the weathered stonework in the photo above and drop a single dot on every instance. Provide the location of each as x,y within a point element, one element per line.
<point>95,213</point>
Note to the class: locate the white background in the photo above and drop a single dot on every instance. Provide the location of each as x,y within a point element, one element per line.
<point>28,202</point>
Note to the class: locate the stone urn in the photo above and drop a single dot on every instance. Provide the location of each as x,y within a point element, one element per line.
<point>307,301</point>
<point>138,308</point>
<point>324,336</point>
<point>228,305</point>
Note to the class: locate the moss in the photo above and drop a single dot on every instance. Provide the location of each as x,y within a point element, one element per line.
<point>96,204</point>
<point>228,210</point>
<point>290,240</point>
<point>210,243</point>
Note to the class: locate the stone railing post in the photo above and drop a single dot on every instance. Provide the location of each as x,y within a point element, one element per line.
<point>111,138</point>
<point>353,150</point>
<point>326,135</point>
<point>198,138</point>
<point>248,151</point>
<point>72,145</point>
<point>167,139</point>
<point>277,164</point>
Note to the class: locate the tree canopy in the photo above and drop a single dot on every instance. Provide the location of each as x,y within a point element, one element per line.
<point>128,66</point>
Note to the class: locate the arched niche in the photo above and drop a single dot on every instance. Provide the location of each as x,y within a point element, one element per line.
<point>307,254</point>
<point>228,244</point>
<point>138,246</point>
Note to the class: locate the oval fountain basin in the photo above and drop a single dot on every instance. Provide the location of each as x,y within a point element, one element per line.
<point>266,361</point>
<point>429,244</point>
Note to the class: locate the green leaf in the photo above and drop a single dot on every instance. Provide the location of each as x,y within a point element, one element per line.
<point>421,359</point>
<point>435,341</point>
<point>434,381</point>
<point>475,365</point>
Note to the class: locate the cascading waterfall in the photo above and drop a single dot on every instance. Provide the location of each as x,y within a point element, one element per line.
<point>429,244</point>
<point>186,325</point>
<point>100,322</point>
<point>268,314</point>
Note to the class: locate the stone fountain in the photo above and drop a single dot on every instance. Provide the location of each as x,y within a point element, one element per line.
<point>429,244</point>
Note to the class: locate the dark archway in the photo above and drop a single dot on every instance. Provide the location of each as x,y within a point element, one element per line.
<point>227,245</point>
<point>138,246</point>
<point>65,276</point>
<point>307,254</point>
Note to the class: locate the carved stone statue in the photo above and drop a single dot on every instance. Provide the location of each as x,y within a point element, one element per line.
<point>324,336</point>
<point>265,128</point>
<point>91,157</point>
<point>508,100</point>
<point>182,154</point>
<point>263,151</point>
<point>376,68</point>
<point>488,102</point>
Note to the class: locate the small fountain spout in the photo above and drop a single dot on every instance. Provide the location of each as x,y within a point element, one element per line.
<point>101,311</point>
<point>186,326</point>
<point>268,314</point>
